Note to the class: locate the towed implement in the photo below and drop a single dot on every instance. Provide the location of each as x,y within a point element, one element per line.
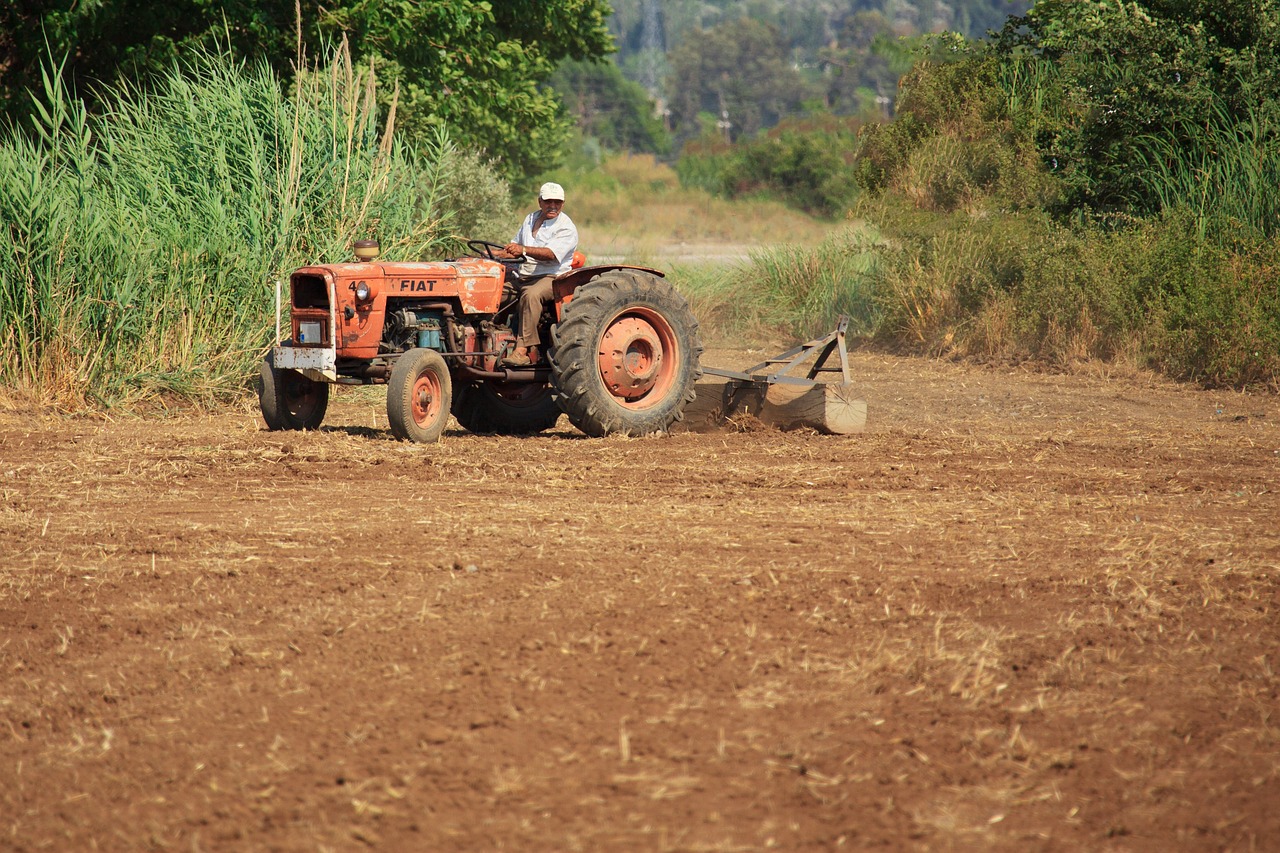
<point>623,357</point>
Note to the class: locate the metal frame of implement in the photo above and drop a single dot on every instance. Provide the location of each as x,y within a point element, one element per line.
<point>823,347</point>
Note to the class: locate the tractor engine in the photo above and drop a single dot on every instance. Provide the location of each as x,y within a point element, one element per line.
<point>496,337</point>
<point>411,327</point>
<point>427,328</point>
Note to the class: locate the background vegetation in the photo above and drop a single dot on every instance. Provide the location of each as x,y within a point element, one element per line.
<point>1093,180</point>
<point>839,55</point>
<point>469,64</point>
<point>1096,182</point>
<point>140,247</point>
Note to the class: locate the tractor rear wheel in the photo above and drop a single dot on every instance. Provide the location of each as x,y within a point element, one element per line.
<point>418,396</point>
<point>506,408</point>
<point>288,399</point>
<point>625,355</point>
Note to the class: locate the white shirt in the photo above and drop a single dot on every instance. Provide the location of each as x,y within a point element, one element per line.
<point>559,235</point>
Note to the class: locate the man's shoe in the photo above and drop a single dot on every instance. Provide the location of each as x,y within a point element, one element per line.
<point>517,359</point>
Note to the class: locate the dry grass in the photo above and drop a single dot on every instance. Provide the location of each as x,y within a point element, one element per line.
<point>637,212</point>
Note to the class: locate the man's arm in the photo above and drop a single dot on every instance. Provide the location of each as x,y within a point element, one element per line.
<point>537,253</point>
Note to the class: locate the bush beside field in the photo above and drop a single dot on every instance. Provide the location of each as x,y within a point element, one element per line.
<point>986,259</point>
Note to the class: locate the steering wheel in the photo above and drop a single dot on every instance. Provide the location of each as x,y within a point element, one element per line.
<point>485,248</point>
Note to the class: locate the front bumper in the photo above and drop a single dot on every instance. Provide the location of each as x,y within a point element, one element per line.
<point>316,363</point>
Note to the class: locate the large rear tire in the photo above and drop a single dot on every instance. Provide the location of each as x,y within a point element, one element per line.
<point>288,399</point>
<point>625,355</point>
<point>418,396</point>
<point>506,408</point>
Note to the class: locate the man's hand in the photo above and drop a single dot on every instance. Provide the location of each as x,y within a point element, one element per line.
<point>537,253</point>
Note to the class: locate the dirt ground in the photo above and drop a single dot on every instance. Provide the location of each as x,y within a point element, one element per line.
<point>1021,612</point>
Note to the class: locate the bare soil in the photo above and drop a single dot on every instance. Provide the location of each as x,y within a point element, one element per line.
<point>1022,612</point>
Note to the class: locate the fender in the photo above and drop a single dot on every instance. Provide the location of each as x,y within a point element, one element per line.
<point>566,283</point>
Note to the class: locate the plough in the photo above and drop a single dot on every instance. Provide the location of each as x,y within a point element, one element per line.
<point>769,392</point>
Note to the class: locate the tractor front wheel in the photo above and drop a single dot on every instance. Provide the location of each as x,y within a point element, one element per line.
<point>625,355</point>
<point>418,396</point>
<point>290,400</point>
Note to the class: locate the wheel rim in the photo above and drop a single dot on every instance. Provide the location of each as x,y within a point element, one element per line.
<point>425,399</point>
<point>638,358</point>
<point>301,396</point>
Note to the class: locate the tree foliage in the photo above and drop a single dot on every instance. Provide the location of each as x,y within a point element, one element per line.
<point>805,162</point>
<point>737,72</point>
<point>607,106</point>
<point>1120,91</point>
<point>808,26</point>
<point>471,64</point>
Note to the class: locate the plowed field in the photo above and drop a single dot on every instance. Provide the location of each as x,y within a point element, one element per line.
<point>1021,612</point>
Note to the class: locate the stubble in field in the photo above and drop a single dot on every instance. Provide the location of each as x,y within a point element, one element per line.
<point>1021,612</point>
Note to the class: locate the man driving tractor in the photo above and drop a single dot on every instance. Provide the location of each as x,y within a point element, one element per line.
<point>547,240</point>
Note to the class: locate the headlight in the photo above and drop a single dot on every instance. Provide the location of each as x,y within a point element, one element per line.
<point>364,291</point>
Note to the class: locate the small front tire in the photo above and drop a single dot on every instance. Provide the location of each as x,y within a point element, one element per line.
<point>288,399</point>
<point>418,396</point>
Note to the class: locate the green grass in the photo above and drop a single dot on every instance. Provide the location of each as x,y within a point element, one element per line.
<point>787,292</point>
<point>142,245</point>
<point>1228,178</point>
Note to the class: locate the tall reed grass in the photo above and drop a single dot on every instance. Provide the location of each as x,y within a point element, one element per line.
<point>140,246</point>
<point>1227,176</point>
<point>789,291</point>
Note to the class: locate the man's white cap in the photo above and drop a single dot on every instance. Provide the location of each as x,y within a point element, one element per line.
<point>551,192</point>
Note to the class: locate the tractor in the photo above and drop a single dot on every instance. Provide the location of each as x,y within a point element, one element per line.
<point>623,352</point>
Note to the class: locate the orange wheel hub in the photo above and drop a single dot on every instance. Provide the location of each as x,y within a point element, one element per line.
<point>637,357</point>
<point>426,399</point>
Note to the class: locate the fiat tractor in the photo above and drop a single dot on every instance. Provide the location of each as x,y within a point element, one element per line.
<point>622,348</point>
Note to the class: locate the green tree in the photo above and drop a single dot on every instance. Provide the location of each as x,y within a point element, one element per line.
<point>609,107</point>
<point>806,163</point>
<point>738,72</point>
<point>1123,87</point>
<point>860,73</point>
<point>471,64</point>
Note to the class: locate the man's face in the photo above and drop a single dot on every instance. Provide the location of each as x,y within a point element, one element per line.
<point>550,209</point>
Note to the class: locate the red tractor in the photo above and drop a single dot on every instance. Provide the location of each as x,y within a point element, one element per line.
<point>623,356</point>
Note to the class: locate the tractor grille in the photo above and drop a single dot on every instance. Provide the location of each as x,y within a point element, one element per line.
<point>309,291</point>
<point>311,311</point>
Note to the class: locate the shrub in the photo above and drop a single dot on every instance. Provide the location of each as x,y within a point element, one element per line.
<point>791,291</point>
<point>806,163</point>
<point>990,253</point>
